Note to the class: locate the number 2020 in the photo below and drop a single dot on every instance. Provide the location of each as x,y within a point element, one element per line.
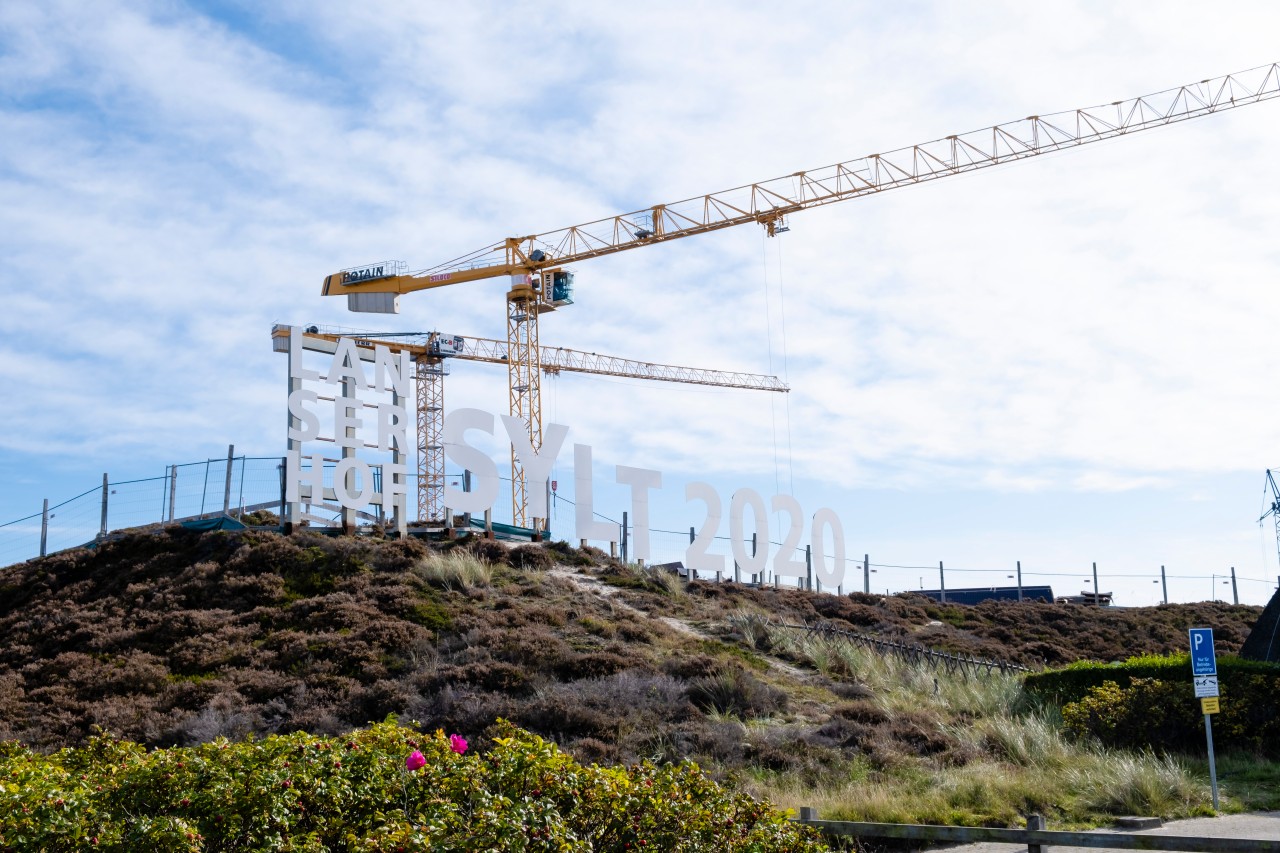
<point>785,562</point>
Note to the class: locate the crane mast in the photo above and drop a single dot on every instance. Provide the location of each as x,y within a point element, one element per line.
<point>1273,511</point>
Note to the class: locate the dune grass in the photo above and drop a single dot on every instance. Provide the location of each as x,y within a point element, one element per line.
<point>454,570</point>
<point>1018,760</point>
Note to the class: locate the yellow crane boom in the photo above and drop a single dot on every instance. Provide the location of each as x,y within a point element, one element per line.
<point>769,202</point>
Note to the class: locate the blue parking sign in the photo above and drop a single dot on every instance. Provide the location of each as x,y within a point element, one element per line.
<point>1203,660</point>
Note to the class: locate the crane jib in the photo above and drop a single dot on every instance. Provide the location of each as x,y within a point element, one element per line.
<point>366,274</point>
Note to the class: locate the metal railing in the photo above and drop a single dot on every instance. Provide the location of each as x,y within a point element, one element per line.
<point>1035,839</point>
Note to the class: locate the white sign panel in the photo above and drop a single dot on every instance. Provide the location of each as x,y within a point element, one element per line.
<point>1206,686</point>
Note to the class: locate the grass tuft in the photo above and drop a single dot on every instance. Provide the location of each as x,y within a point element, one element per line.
<point>455,570</point>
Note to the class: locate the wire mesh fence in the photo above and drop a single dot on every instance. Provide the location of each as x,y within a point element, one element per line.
<point>233,485</point>
<point>240,484</point>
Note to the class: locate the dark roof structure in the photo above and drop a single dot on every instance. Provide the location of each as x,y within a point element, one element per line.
<point>975,595</point>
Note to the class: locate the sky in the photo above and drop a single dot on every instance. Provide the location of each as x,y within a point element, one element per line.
<point>1062,362</point>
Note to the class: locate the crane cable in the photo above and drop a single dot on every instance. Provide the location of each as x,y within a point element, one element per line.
<point>782,306</point>
<point>773,407</point>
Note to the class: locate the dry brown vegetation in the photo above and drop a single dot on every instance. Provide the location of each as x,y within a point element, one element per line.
<point>182,637</point>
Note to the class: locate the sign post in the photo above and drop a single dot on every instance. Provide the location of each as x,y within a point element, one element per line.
<point>1204,674</point>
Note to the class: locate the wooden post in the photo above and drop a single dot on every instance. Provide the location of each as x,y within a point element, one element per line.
<point>1034,822</point>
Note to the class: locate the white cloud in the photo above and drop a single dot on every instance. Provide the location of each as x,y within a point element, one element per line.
<point>177,179</point>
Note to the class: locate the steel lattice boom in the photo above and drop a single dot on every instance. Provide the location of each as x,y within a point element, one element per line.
<point>430,351</point>
<point>768,202</point>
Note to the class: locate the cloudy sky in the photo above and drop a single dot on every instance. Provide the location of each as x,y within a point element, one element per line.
<point>1060,361</point>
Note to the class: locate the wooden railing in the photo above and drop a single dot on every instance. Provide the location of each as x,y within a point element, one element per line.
<point>1035,837</point>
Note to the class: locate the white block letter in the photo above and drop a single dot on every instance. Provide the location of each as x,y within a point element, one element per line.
<point>585,525</point>
<point>743,498</point>
<point>295,476</point>
<point>309,419</point>
<point>537,466</point>
<point>392,426</point>
<point>352,469</point>
<point>344,419</point>
<point>394,366</point>
<point>346,364</point>
<point>296,370</point>
<point>641,480</point>
<point>484,472</point>
<point>832,578</point>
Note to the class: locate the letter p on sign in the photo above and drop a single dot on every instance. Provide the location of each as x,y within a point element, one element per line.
<point>1203,660</point>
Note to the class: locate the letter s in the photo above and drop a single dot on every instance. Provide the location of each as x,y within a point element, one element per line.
<point>484,472</point>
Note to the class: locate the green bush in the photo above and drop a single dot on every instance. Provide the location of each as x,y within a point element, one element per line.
<point>1150,703</point>
<point>300,792</point>
<point>1072,682</point>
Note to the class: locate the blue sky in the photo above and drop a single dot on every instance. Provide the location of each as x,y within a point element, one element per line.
<point>1062,361</point>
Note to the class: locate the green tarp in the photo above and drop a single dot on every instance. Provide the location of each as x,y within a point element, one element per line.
<point>221,522</point>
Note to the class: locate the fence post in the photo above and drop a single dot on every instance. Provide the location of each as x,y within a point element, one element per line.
<point>173,489</point>
<point>1035,822</point>
<point>866,573</point>
<point>942,582</point>
<point>226,494</point>
<point>1097,593</point>
<point>624,536</point>
<point>1164,585</point>
<point>102,530</point>
<point>808,567</point>
<point>44,528</point>
<point>1235,593</point>
<point>286,523</point>
<point>1019,580</point>
<point>204,491</point>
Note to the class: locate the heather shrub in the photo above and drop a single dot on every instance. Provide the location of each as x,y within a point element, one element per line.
<point>487,550</point>
<point>533,557</point>
<point>568,555</point>
<point>736,692</point>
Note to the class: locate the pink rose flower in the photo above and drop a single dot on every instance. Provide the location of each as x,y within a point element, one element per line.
<point>415,761</point>
<point>458,744</point>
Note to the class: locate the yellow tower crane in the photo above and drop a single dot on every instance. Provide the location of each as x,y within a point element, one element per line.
<point>430,350</point>
<point>536,262</point>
